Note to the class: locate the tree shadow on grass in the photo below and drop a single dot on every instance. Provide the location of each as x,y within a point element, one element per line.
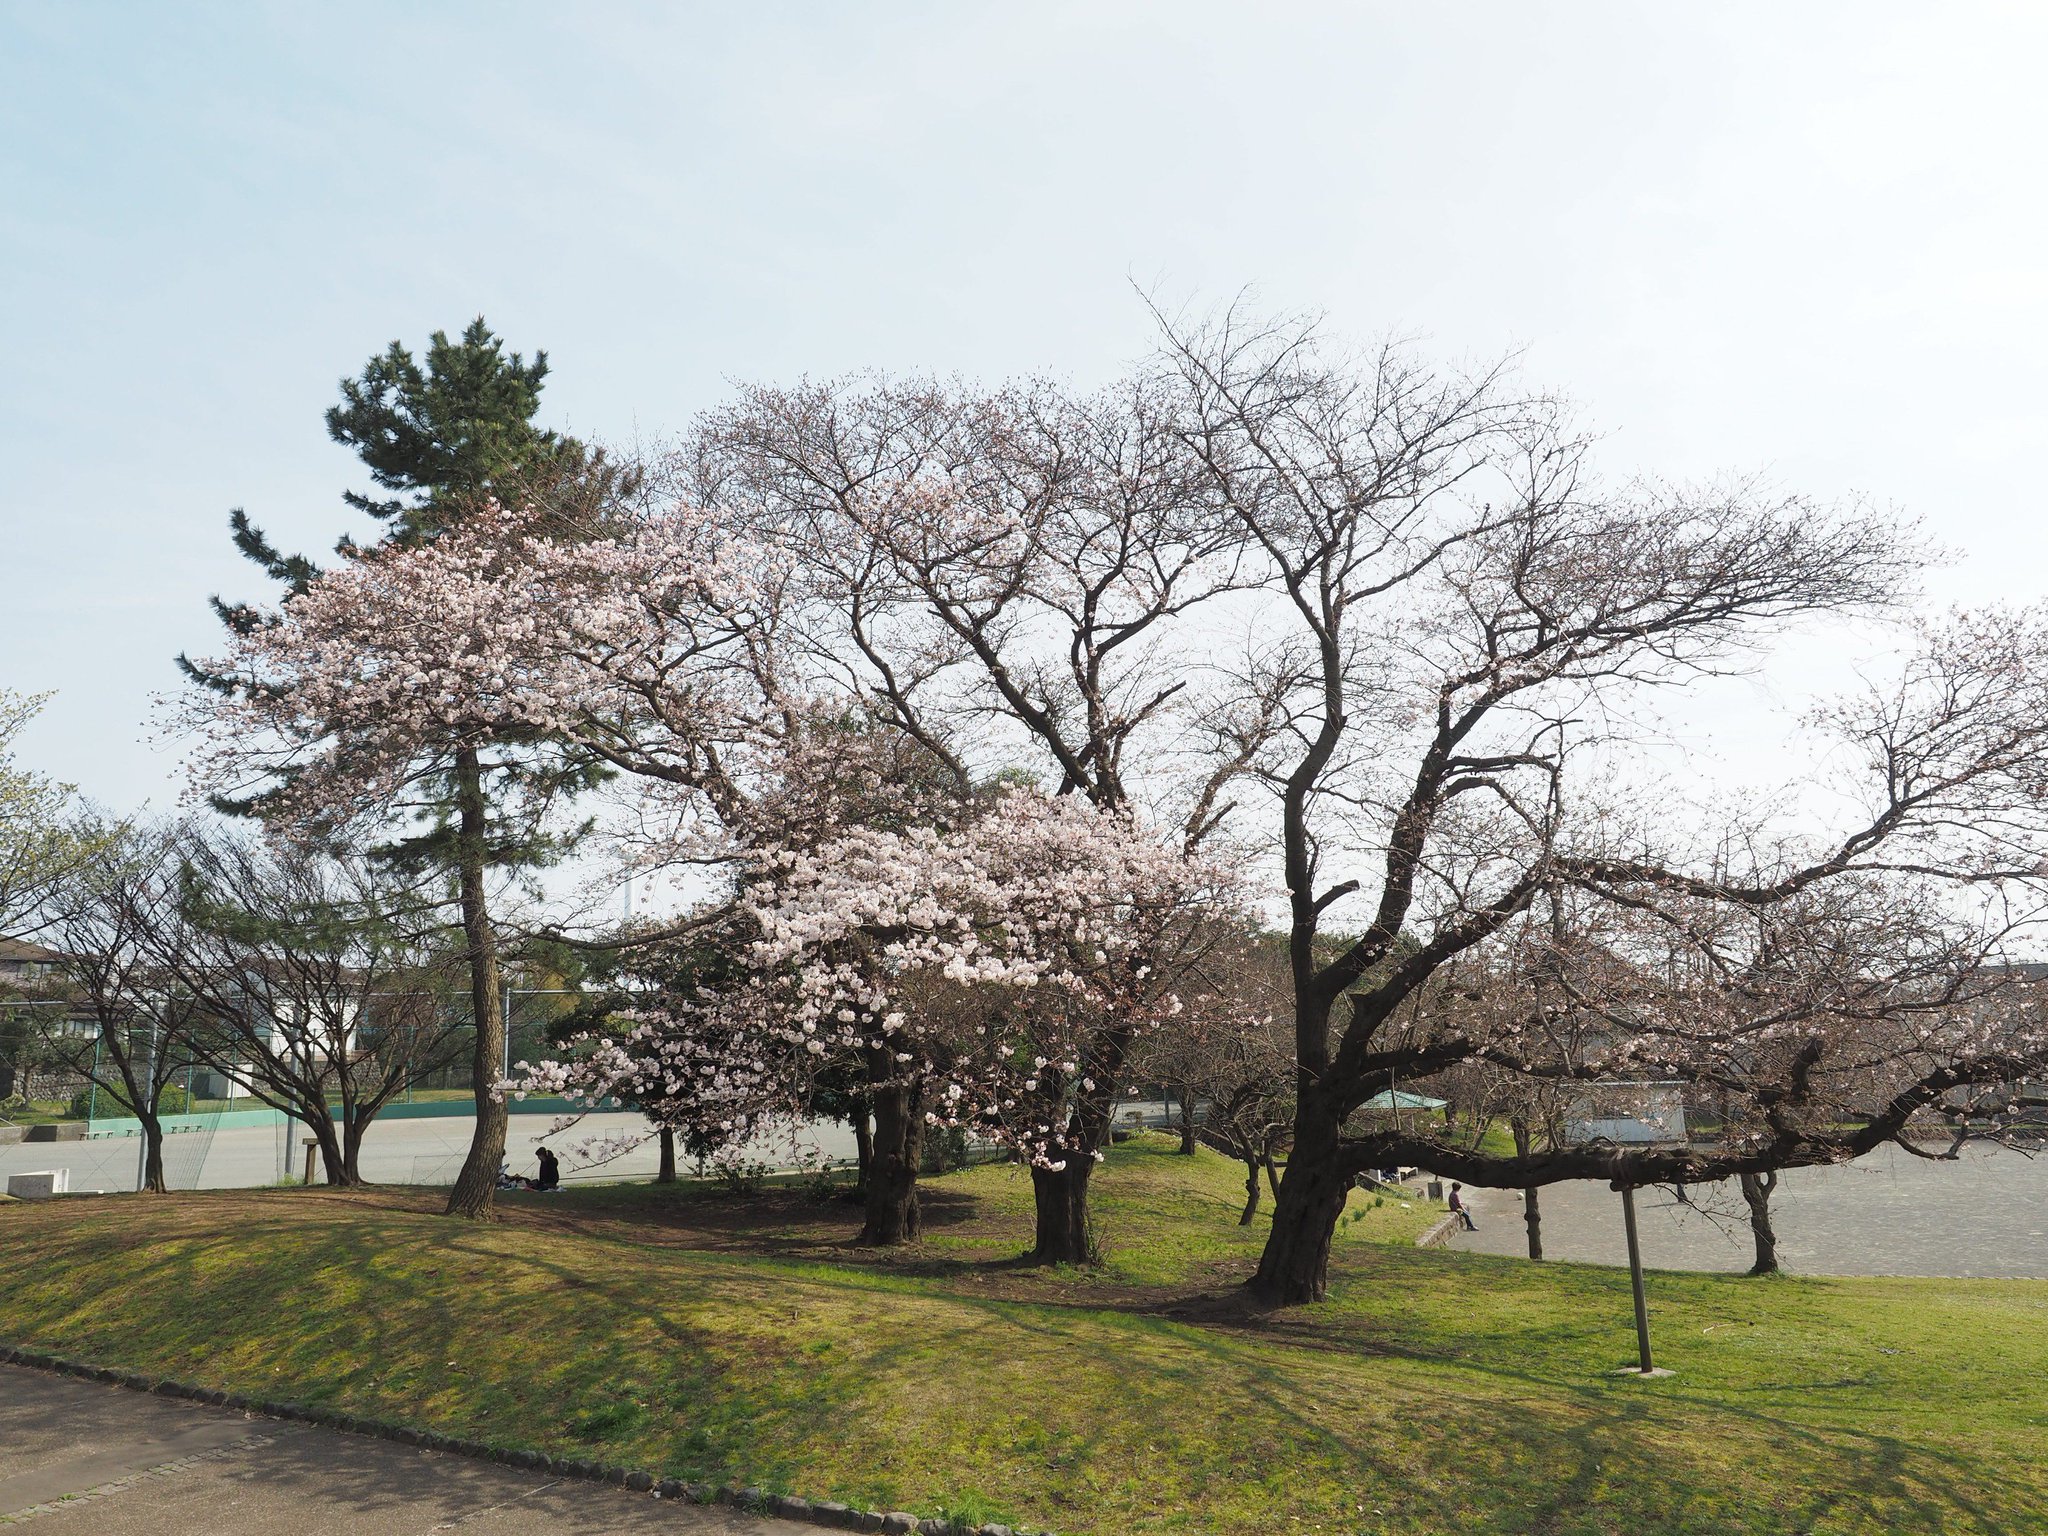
<point>603,1361</point>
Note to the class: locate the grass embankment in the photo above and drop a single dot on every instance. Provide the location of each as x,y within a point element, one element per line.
<point>35,1111</point>
<point>722,1339</point>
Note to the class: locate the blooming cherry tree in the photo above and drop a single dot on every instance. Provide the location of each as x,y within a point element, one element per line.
<point>494,657</point>
<point>972,975</point>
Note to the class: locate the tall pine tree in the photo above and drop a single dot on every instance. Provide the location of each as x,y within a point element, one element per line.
<point>440,439</point>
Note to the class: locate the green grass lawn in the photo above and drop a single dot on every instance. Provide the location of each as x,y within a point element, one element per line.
<point>34,1112</point>
<point>741,1339</point>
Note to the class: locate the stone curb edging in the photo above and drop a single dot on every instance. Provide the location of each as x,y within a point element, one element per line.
<point>1438,1233</point>
<point>755,1501</point>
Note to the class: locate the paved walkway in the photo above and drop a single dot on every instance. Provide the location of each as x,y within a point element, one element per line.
<point>1890,1213</point>
<point>81,1459</point>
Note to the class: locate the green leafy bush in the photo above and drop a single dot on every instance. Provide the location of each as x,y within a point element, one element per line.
<point>108,1104</point>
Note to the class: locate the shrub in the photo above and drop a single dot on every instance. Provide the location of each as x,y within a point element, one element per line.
<point>108,1104</point>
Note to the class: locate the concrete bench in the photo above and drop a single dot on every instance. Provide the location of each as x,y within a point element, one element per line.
<point>39,1186</point>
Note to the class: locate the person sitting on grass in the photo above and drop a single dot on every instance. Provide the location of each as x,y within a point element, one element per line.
<point>550,1171</point>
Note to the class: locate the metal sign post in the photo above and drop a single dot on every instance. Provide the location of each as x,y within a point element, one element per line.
<point>1635,1280</point>
<point>1618,1115</point>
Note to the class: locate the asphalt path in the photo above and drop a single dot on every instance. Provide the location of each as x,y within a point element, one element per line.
<point>423,1151</point>
<point>1890,1213</point>
<point>82,1459</point>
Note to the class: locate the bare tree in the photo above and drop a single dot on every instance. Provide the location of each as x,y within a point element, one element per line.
<point>322,988</point>
<point>129,1029</point>
<point>1229,1051</point>
<point>1466,622</point>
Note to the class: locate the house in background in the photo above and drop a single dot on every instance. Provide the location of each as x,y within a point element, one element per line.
<point>25,966</point>
<point>28,974</point>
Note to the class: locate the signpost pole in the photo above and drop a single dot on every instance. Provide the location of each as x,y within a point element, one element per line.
<point>1635,1278</point>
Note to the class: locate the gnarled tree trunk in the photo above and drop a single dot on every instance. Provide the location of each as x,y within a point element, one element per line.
<point>1295,1266</point>
<point>1064,1230</point>
<point>333,1156</point>
<point>666,1174</point>
<point>1757,1190</point>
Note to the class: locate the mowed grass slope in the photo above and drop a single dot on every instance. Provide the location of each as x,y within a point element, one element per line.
<point>722,1339</point>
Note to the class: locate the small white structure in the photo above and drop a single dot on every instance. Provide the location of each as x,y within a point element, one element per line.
<point>39,1186</point>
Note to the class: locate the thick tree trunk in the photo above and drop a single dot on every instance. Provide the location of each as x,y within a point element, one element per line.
<point>1532,1209</point>
<point>153,1155</point>
<point>333,1159</point>
<point>667,1172</point>
<point>1757,1190</point>
<point>477,1184</point>
<point>352,1147</point>
<point>863,1149</point>
<point>891,1196</point>
<point>1187,1123</point>
<point>1065,1234</point>
<point>1295,1266</point>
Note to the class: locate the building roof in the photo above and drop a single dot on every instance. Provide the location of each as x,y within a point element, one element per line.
<point>1401,1099</point>
<point>23,950</point>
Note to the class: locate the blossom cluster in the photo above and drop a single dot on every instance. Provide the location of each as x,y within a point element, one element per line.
<point>502,630</point>
<point>979,962</point>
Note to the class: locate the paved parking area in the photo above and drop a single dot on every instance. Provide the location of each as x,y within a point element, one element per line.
<point>1890,1213</point>
<point>81,1459</point>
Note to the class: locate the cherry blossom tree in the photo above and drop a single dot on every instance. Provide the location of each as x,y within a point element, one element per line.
<point>1001,594</point>
<point>1022,581</point>
<point>961,974</point>
<point>414,664</point>
<point>439,436</point>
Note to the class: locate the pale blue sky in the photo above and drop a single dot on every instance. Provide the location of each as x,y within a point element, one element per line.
<point>1809,239</point>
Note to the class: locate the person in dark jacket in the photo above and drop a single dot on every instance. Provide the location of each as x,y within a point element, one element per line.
<point>1460,1209</point>
<point>550,1171</point>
